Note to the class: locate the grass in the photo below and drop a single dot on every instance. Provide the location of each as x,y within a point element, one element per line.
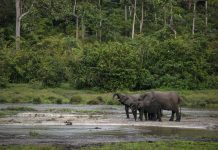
<point>31,147</point>
<point>163,145</point>
<point>67,110</point>
<point>27,93</point>
<point>14,110</point>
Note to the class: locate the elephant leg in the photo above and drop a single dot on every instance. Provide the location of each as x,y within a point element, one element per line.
<point>177,116</point>
<point>134,112</point>
<point>127,111</point>
<point>146,115</point>
<point>161,112</point>
<point>141,115</point>
<point>172,116</point>
<point>159,115</point>
<point>154,116</point>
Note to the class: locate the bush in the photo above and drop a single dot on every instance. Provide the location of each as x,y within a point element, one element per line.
<point>59,101</point>
<point>112,102</point>
<point>95,102</point>
<point>75,99</point>
<point>55,100</point>
<point>37,100</point>
<point>16,99</point>
<point>3,82</point>
<point>2,99</point>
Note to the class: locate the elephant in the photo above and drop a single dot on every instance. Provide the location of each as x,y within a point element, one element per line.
<point>150,108</point>
<point>167,100</point>
<point>129,101</point>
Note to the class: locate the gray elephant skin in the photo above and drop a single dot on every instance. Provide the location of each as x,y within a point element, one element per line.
<point>128,101</point>
<point>149,106</point>
<point>166,100</point>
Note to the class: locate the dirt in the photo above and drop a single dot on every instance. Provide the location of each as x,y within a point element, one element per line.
<point>79,125</point>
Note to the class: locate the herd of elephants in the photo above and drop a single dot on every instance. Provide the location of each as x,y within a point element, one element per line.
<point>151,104</point>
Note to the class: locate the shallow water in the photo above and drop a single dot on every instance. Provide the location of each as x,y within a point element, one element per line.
<point>112,127</point>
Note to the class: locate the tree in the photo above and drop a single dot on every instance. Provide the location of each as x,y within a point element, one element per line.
<point>134,19</point>
<point>19,15</point>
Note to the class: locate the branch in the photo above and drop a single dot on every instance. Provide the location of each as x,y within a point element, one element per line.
<point>24,14</point>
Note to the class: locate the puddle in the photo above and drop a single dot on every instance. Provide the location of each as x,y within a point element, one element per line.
<point>42,127</point>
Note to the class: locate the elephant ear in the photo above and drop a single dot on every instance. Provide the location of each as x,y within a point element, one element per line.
<point>143,96</point>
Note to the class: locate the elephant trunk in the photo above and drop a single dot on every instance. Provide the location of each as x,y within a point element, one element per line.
<point>116,94</point>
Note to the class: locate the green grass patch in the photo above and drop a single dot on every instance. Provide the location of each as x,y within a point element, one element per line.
<point>14,110</point>
<point>163,145</point>
<point>27,93</point>
<point>67,110</point>
<point>31,147</point>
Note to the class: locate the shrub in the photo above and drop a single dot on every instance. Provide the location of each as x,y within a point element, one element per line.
<point>37,100</point>
<point>2,99</point>
<point>16,99</point>
<point>55,100</point>
<point>59,101</point>
<point>75,99</point>
<point>93,102</point>
<point>96,101</point>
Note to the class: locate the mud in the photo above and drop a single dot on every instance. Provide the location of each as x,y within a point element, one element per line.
<point>80,125</point>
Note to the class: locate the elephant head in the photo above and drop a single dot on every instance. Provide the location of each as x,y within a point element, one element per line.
<point>120,97</point>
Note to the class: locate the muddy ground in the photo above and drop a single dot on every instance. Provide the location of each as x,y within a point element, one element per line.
<point>82,125</point>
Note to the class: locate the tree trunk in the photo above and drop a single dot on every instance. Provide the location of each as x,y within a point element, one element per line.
<point>189,4</point>
<point>171,14</point>
<point>18,14</point>
<point>142,16</point>
<point>171,21</point>
<point>130,11</point>
<point>100,24</point>
<point>194,17</point>
<point>165,17</point>
<point>126,18</point>
<point>134,18</point>
<point>206,16</point>
<point>77,19</point>
<point>77,27</point>
<point>83,28</point>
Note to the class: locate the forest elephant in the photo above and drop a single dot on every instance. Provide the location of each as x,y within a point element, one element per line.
<point>129,101</point>
<point>166,100</point>
<point>150,108</point>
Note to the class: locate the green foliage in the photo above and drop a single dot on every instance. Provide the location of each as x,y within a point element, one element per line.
<point>164,145</point>
<point>75,99</point>
<point>37,100</point>
<point>104,56</point>
<point>32,147</point>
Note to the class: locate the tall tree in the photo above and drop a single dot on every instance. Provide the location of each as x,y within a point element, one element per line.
<point>134,19</point>
<point>194,17</point>
<point>19,15</point>
<point>142,16</point>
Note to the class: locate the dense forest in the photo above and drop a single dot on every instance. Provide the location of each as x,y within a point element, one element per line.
<point>110,44</point>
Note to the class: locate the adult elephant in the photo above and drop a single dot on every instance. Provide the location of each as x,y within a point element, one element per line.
<point>167,100</point>
<point>128,101</point>
<point>149,108</point>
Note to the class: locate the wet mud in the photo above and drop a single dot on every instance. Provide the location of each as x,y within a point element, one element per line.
<point>81,125</point>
